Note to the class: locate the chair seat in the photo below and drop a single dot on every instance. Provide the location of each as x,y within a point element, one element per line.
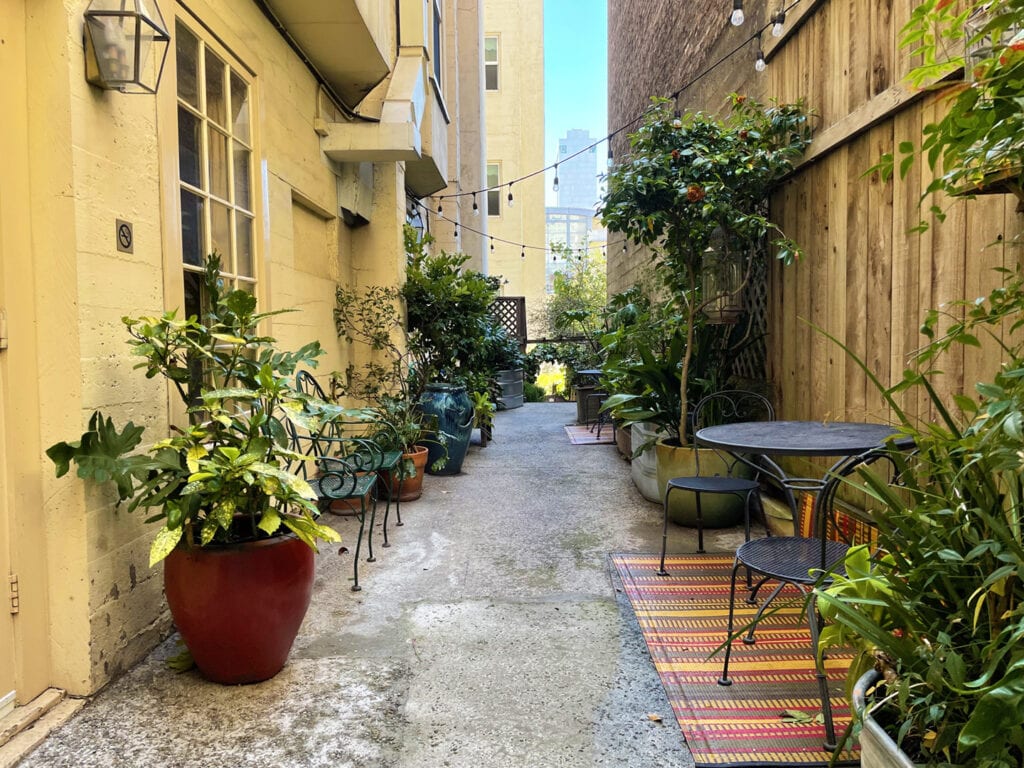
<point>337,487</point>
<point>786,557</point>
<point>714,484</point>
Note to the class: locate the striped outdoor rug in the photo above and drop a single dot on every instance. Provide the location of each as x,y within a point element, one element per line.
<point>582,435</point>
<point>751,722</point>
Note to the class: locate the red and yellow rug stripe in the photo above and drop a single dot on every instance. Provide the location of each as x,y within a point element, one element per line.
<point>770,715</point>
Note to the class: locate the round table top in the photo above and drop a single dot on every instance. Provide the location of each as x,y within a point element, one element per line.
<point>796,438</point>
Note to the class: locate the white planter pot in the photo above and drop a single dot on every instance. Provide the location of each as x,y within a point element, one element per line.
<point>877,750</point>
<point>644,468</point>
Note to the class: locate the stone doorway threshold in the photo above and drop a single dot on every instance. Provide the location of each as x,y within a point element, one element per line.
<point>28,725</point>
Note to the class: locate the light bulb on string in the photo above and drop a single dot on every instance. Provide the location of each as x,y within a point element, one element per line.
<point>554,187</point>
<point>511,200</point>
<point>737,17</point>
<point>476,208</point>
<point>611,158</point>
<point>492,243</point>
<point>759,62</point>
<point>778,27</point>
<point>522,254</point>
<point>439,209</point>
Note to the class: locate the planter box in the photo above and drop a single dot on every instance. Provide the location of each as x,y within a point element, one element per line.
<point>643,470</point>
<point>877,750</point>
<point>511,383</point>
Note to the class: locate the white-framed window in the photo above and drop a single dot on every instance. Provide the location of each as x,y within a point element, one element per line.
<point>493,191</point>
<point>216,180</point>
<point>491,63</point>
<point>438,43</point>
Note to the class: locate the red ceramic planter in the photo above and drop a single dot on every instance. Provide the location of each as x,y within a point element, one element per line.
<point>239,607</point>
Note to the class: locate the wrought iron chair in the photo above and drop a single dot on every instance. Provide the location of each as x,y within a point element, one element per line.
<point>722,407</point>
<point>337,478</point>
<point>374,457</point>
<point>804,561</point>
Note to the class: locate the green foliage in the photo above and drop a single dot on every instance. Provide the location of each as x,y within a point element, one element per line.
<point>579,292</point>
<point>225,477</point>
<point>687,177</point>
<point>942,612</point>
<point>981,133</point>
<point>448,307</point>
<point>532,393</point>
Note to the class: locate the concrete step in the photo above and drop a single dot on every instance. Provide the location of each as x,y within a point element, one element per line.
<point>26,727</point>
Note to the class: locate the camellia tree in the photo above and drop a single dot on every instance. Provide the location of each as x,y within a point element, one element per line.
<point>693,180</point>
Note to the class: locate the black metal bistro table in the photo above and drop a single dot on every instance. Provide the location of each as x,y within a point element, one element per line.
<point>762,439</point>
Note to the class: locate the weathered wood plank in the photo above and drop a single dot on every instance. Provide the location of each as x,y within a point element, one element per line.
<point>878,314</point>
<point>858,153</point>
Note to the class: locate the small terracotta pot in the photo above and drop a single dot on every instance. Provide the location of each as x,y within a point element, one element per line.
<point>412,487</point>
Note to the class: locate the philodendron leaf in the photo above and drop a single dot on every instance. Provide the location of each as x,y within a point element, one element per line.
<point>164,543</point>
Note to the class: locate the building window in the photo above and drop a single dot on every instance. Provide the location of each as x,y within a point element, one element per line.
<point>215,176</point>
<point>493,190</point>
<point>491,63</point>
<point>438,33</point>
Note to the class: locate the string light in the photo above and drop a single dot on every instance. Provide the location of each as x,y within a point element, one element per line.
<point>737,17</point>
<point>779,21</point>
<point>522,254</point>
<point>554,187</point>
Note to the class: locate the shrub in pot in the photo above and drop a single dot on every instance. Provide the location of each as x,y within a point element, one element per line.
<point>231,513</point>
<point>449,311</point>
<point>691,181</point>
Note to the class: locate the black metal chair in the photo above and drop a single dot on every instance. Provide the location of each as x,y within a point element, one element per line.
<point>722,407</point>
<point>337,479</point>
<point>803,562</point>
<point>375,458</point>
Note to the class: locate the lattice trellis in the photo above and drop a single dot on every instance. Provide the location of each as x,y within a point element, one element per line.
<point>510,311</point>
<point>750,362</point>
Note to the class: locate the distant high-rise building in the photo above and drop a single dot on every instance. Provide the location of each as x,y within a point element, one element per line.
<point>577,177</point>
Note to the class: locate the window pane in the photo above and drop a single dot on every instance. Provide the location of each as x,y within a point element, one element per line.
<point>188,148</point>
<point>193,294</point>
<point>493,176</point>
<point>241,161</point>
<point>243,245</point>
<point>491,49</point>
<point>216,103</point>
<point>491,77</point>
<point>239,108</point>
<point>218,150</point>
<point>192,228</point>
<point>187,51</point>
<point>494,202</point>
<point>220,232</point>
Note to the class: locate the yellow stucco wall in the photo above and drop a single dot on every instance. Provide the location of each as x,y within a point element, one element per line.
<point>91,604</point>
<point>514,117</point>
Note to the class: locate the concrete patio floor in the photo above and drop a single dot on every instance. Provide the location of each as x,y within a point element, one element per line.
<point>490,634</point>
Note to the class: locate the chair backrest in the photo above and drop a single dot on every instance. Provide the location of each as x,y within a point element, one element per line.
<point>729,406</point>
<point>307,384</point>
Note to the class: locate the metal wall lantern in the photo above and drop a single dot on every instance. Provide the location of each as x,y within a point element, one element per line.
<point>722,279</point>
<point>126,44</point>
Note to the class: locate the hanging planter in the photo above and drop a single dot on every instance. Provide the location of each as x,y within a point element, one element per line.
<point>723,278</point>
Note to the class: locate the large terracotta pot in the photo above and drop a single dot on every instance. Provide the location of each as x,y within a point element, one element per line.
<point>412,487</point>
<point>239,607</point>
<point>718,510</point>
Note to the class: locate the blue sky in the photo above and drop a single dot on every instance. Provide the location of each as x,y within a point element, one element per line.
<point>575,72</point>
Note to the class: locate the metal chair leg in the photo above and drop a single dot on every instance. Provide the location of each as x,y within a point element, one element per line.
<point>664,533</point>
<point>819,672</point>
<point>387,510</point>
<point>749,639</point>
<point>724,679</point>
<point>359,543</point>
<point>398,501</point>
<point>700,524</point>
<point>373,519</point>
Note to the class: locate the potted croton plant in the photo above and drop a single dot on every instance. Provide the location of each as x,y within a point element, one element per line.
<point>693,186</point>
<point>237,528</point>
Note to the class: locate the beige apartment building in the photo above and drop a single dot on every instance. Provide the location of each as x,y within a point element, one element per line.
<point>513,55</point>
<point>292,136</point>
